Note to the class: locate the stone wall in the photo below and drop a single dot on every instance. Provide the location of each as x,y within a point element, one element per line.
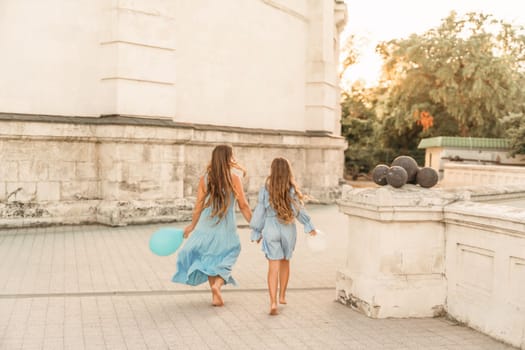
<point>417,252</point>
<point>116,170</point>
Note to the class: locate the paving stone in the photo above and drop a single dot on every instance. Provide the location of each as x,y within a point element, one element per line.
<point>95,287</point>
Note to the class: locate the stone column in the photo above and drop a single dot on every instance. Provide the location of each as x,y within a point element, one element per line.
<point>137,46</point>
<point>395,257</point>
<point>322,90</point>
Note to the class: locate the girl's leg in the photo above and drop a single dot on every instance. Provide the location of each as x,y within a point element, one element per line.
<point>284,275</point>
<point>211,280</point>
<point>273,275</point>
<point>216,291</point>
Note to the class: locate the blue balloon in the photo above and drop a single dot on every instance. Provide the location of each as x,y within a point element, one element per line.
<point>166,241</point>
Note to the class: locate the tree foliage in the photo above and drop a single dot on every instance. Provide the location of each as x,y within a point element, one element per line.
<point>372,140</point>
<point>349,53</point>
<point>462,77</point>
<point>360,128</point>
<point>515,131</point>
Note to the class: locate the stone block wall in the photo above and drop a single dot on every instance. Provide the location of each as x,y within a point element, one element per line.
<point>119,170</point>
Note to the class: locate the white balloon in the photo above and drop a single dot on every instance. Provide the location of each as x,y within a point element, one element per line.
<point>316,243</point>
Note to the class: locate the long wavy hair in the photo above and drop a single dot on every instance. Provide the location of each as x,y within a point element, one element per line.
<point>279,184</point>
<point>220,185</point>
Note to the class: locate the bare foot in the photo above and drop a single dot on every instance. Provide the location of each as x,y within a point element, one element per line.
<point>282,301</point>
<point>216,296</point>
<point>273,310</point>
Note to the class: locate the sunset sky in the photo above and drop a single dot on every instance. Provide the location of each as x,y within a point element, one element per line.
<point>373,21</point>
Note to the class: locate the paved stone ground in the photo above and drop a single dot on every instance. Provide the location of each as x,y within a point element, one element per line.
<point>95,287</point>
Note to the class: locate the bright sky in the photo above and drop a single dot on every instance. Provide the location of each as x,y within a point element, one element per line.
<point>373,21</point>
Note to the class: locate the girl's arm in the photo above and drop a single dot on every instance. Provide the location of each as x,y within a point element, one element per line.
<point>259,216</point>
<point>199,205</point>
<point>244,207</point>
<point>304,219</point>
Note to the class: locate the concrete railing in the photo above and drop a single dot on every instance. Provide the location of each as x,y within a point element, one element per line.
<point>474,175</point>
<point>417,252</point>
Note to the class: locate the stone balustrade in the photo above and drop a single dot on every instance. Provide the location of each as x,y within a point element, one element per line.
<point>416,252</point>
<point>456,175</point>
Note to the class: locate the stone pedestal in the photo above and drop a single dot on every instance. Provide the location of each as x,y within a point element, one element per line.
<point>395,262</point>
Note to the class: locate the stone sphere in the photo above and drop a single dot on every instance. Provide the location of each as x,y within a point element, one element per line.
<point>409,164</point>
<point>379,174</point>
<point>414,180</point>
<point>396,176</point>
<point>427,177</point>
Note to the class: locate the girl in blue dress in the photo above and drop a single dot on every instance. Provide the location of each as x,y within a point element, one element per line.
<point>213,244</point>
<point>280,203</point>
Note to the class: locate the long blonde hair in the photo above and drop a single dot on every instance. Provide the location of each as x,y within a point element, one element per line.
<point>220,185</point>
<point>279,184</point>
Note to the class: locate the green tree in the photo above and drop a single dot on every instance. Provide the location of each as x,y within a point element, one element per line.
<point>461,78</point>
<point>515,131</point>
<point>362,130</point>
<point>349,53</point>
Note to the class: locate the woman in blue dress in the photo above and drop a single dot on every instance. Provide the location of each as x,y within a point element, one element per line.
<point>213,244</point>
<point>280,203</point>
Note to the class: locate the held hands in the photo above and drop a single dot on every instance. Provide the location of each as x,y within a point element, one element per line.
<point>258,240</point>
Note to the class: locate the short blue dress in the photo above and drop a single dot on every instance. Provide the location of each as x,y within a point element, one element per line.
<point>211,250</point>
<point>278,238</point>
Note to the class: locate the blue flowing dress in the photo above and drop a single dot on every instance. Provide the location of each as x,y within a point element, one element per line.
<point>211,250</point>
<point>278,238</point>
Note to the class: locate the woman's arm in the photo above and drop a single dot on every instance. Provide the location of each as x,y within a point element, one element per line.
<point>199,205</point>
<point>258,218</point>
<point>241,199</point>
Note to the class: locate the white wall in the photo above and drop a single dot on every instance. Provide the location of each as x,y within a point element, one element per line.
<point>439,157</point>
<point>253,63</point>
<point>486,269</point>
<point>49,60</point>
<point>137,48</point>
<point>240,64</point>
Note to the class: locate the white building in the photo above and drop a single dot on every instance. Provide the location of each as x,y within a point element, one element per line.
<point>442,150</point>
<point>109,109</point>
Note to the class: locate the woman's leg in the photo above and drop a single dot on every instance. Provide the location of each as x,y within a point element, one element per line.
<point>284,275</point>
<point>273,276</point>
<point>218,282</point>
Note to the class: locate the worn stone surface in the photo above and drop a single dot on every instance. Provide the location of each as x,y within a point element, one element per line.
<point>47,191</point>
<point>416,252</point>
<point>147,164</point>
